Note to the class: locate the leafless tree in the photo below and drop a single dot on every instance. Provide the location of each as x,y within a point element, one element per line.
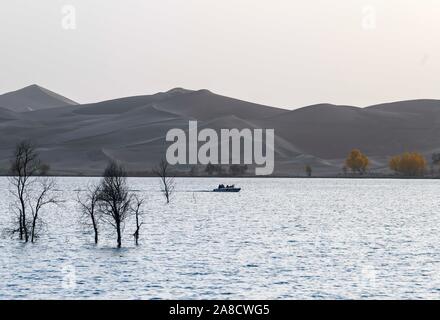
<point>167,182</point>
<point>42,196</point>
<point>137,204</point>
<point>24,165</point>
<point>89,208</point>
<point>114,199</point>
<point>15,209</point>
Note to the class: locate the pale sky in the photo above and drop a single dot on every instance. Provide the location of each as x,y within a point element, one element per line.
<point>285,53</point>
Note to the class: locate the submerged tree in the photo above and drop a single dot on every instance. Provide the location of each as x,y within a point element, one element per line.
<point>114,199</point>
<point>110,202</point>
<point>39,198</point>
<point>167,182</point>
<point>89,208</point>
<point>24,165</point>
<point>136,209</point>
<point>30,192</point>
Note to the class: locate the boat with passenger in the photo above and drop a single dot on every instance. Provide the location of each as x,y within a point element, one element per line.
<point>227,188</point>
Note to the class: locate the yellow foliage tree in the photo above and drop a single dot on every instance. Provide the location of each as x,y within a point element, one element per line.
<point>409,164</point>
<point>357,161</point>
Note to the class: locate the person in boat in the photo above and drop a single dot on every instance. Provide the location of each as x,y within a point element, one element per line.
<point>221,186</point>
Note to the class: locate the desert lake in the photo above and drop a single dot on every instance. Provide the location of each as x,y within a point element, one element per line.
<point>276,239</point>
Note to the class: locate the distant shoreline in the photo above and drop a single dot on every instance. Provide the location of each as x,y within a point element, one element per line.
<point>253,177</point>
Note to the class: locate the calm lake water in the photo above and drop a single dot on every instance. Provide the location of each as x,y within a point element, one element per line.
<point>277,239</point>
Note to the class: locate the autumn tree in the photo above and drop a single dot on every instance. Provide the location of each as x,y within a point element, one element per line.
<point>357,161</point>
<point>408,164</point>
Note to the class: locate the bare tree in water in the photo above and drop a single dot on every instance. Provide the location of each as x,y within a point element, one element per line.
<point>30,192</point>
<point>43,195</point>
<point>88,204</point>
<point>136,209</point>
<point>167,182</point>
<point>114,199</point>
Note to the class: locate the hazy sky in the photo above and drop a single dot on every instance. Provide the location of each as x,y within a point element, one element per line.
<point>286,53</point>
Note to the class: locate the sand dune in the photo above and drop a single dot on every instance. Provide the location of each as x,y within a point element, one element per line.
<point>32,98</point>
<point>329,131</point>
<point>80,139</point>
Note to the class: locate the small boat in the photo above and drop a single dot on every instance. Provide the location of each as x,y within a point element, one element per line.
<point>222,188</point>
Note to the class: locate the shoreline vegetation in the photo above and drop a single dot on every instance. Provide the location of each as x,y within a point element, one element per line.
<point>176,175</point>
<point>250,176</point>
<point>408,165</point>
